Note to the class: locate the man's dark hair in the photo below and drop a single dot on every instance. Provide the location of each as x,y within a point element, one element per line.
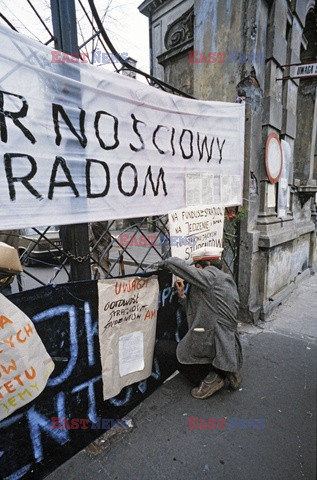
<point>217,263</point>
<point>212,263</point>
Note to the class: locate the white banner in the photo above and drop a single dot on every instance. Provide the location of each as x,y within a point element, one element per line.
<point>127,326</point>
<point>25,365</point>
<point>81,144</point>
<point>195,227</point>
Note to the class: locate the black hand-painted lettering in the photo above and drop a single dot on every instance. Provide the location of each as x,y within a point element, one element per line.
<point>220,149</point>
<point>135,128</point>
<point>59,109</point>
<point>24,180</point>
<point>60,161</point>
<point>191,143</point>
<point>162,152</point>
<point>88,182</point>
<point>135,173</point>
<point>14,117</point>
<point>160,177</point>
<point>172,141</point>
<point>115,130</point>
<point>205,146</point>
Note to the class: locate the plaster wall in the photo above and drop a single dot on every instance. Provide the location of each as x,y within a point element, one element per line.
<point>161,19</point>
<point>273,251</point>
<point>285,263</point>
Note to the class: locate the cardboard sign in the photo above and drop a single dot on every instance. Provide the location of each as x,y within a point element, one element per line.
<point>195,227</point>
<point>127,325</point>
<point>25,365</point>
<point>9,260</point>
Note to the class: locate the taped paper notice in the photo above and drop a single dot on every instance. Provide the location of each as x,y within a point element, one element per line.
<point>25,363</point>
<point>131,353</point>
<point>199,189</point>
<point>283,188</point>
<point>231,190</point>
<point>127,326</point>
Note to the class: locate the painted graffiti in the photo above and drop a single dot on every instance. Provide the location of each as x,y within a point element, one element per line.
<point>65,316</point>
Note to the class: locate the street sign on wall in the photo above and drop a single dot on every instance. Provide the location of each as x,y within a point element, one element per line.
<point>305,70</point>
<point>301,71</point>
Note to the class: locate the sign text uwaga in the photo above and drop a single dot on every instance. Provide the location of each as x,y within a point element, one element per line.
<point>166,140</point>
<point>125,309</point>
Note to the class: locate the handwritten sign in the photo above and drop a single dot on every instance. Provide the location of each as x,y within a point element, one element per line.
<point>25,365</point>
<point>127,325</point>
<point>78,144</point>
<point>195,227</point>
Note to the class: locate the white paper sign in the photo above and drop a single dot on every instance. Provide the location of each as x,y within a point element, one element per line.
<point>25,363</point>
<point>81,144</point>
<point>131,353</point>
<point>192,228</point>
<point>127,326</point>
<point>231,189</point>
<point>199,189</point>
<point>283,190</point>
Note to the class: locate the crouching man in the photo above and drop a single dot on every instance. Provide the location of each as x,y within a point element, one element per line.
<point>210,351</point>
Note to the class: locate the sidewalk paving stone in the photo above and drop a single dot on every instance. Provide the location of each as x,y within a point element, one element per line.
<point>279,386</point>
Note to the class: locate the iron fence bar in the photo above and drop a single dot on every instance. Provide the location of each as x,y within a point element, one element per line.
<point>40,18</point>
<point>147,253</point>
<point>49,41</point>
<point>95,30</point>
<point>65,33</point>
<point>89,40</point>
<point>8,22</point>
<point>124,250</point>
<point>122,61</point>
<point>34,278</point>
<point>26,255</point>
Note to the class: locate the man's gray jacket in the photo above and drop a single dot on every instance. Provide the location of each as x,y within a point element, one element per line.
<point>211,308</point>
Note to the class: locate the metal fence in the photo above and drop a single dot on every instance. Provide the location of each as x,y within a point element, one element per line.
<point>114,250</point>
<point>138,247</point>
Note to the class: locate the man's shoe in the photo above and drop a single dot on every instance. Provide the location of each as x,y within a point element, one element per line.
<point>206,389</point>
<point>235,380</point>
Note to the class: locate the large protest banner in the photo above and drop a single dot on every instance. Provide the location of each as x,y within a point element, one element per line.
<point>196,227</point>
<point>127,325</point>
<point>81,144</point>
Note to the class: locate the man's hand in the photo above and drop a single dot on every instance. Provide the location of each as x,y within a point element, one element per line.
<point>179,285</point>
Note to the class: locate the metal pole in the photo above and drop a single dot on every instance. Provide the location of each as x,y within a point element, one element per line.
<point>65,38</point>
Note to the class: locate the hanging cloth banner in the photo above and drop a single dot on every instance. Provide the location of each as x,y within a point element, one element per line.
<point>127,326</point>
<point>82,144</point>
<point>25,365</point>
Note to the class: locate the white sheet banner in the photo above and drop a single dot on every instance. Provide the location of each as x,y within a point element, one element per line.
<point>81,144</point>
<point>127,326</point>
<point>192,228</point>
<point>24,362</point>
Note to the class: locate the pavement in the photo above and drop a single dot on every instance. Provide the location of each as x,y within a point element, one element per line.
<point>278,391</point>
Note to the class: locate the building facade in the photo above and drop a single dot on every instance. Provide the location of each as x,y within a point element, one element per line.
<point>239,50</point>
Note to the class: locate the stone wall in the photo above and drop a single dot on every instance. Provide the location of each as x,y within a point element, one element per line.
<point>277,245</point>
